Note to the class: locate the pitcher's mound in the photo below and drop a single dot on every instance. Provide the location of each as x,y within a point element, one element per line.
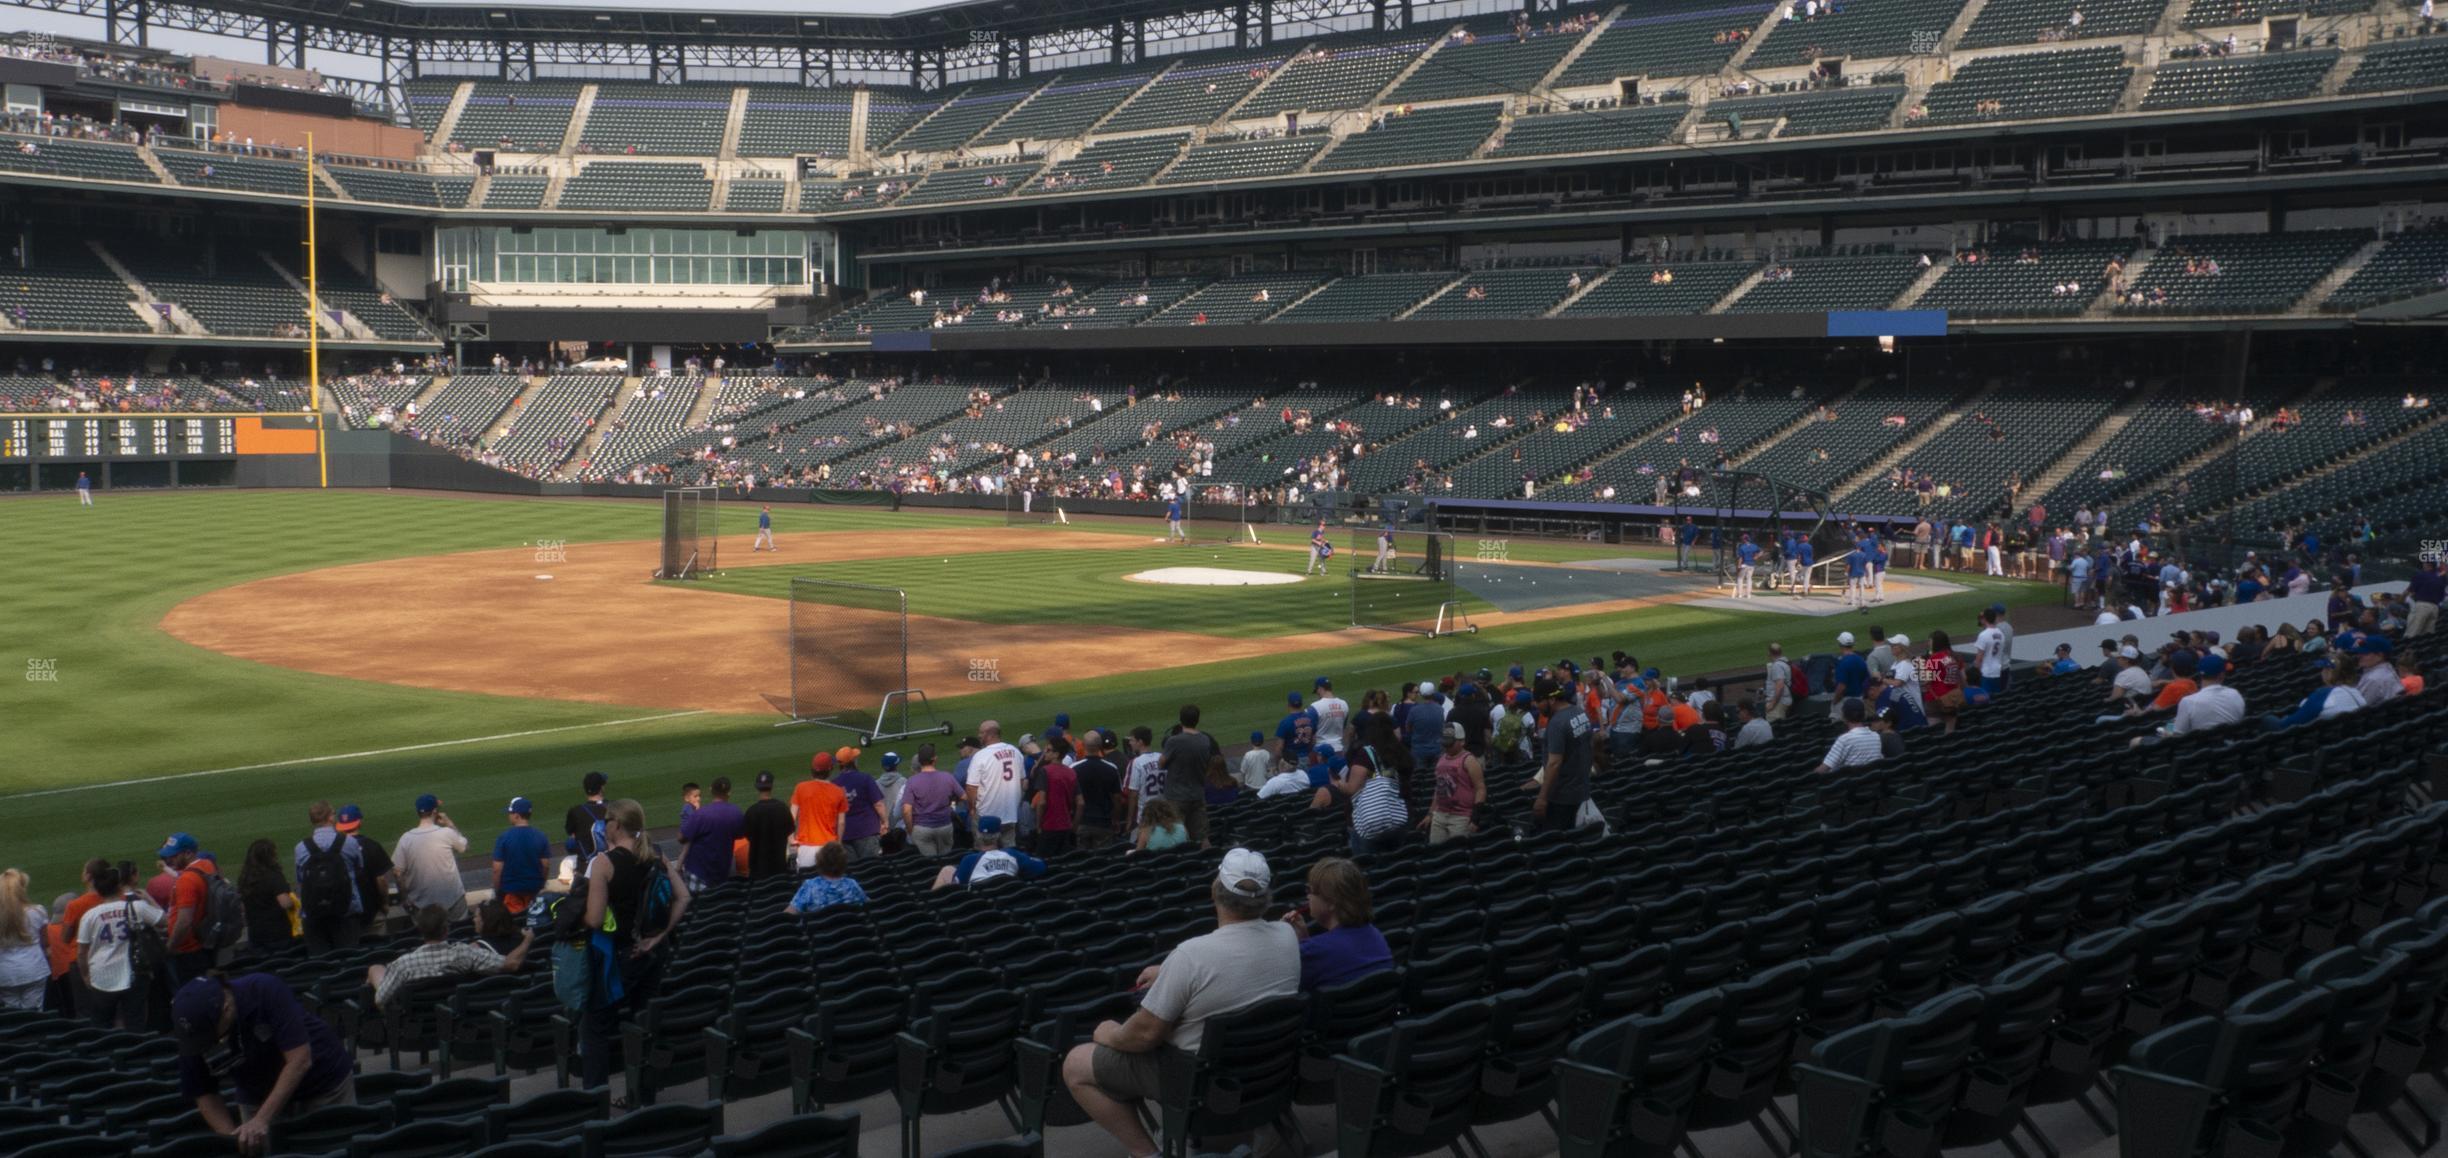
<point>1213,577</point>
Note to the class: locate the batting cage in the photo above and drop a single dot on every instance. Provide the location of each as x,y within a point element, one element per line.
<point>849,661</point>
<point>1026,506</point>
<point>1404,581</point>
<point>1216,522</point>
<point>691,532</point>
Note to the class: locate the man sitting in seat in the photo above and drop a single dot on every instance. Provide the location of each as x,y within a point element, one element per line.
<point>1246,960</point>
<point>439,956</point>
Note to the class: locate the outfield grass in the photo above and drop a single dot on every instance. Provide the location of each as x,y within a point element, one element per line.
<point>214,743</point>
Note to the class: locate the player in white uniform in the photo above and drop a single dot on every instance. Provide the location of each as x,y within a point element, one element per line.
<point>1385,551</point>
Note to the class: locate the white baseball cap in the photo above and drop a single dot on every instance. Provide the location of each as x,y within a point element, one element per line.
<point>1428,687</point>
<point>2129,651</point>
<point>1899,639</point>
<point>1844,639</point>
<point>1245,873</point>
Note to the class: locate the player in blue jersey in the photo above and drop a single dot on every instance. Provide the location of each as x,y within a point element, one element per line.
<point>1803,557</point>
<point>1385,550</point>
<point>1746,554</point>
<point>1319,550</point>
<point>764,539</point>
<point>1173,521</point>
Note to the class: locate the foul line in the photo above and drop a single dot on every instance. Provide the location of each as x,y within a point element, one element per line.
<point>348,755</point>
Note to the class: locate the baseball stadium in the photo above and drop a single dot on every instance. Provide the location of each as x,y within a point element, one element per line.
<point>1096,577</point>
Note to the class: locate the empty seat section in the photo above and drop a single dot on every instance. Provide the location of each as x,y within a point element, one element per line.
<point>1124,303</point>
<point>84,160</point>
<point>785,121</point>
<point>553,420</point>
<point>1860,29</point>
<point>2421,64</point>
<point>969,183</point>
<point>217,170</point>
<point>1589,130</point>
<point>2222,13</point>
<point>517,192</point>
<point>2409,264</point>
<point>466,407</point>
<point>890,112</point>
<point>1238,299</point>
<point>65,287</point>
<point>2029,86</point>
<point>1195,92</point>
<point>1665,287</point>
<point>746,195</point>
<point>1246,158</point>
<point>1689,38</point>
<point>637,185</point>
<point>230,292</point>
<point>1367,298</point>
<point>388,185</point>
<point>1487,56</point>
<point>1070,104</point>
<point>2238,80</point>
<point>1843,110</point>
<point>1829,283</point>
<point>2037,21</point>
<point>667,119</point>
<point>1505,293</point>
<point>963,117</point>
<point>429,97</point>
<point>1110,164</point>
<point>528,117</point>
<point>1424,137</point>
<point>1334,74</point>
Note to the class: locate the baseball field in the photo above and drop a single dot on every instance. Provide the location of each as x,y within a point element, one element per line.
<point>211,662</point>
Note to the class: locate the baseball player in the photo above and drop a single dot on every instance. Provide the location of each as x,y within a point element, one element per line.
<point>1319,550</point>
<point>1173,520</point>
<point>1803,556</point>
<point>764,539</point>
<point>1385,550</point>
<point>1746,553</point>
<point>84,490</point>
<point>1878,569</point>
<point>1857,575</point>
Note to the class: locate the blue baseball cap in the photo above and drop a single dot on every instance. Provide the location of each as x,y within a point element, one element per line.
<point>521,806</point>
<point>1322,682</point>
<point>348,818</point>
<point>1292,698</point>
<point>892,760</point>
<point>1257,737</point>
<point>1323,753</point>
<point>427,803</point>
<point>179,842</point>
<point>2210,665</point>
<point>1062,719</point>
<point>989,825</point>
<point>2374,645</point>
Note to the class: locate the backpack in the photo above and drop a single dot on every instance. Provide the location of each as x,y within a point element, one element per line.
<point>325,885</point>
<point>148,953</point>
<point>1508,735</point>
<point>223,919</point>
<point>1800,682</point>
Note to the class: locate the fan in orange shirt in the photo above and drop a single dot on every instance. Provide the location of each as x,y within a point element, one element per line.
<point>818,805</point>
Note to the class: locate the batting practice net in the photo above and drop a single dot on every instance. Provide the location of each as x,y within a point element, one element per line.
<point>1404,581</point>
<point>691,525</point>
<point>1213,522</point>
<point>849,661</point>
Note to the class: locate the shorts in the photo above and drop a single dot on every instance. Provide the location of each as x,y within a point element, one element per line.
<point>1445,826</point>
<point>517,903</point>
<point>1094,836</point>
<point>865,847</point>
<point>1133,1077</point>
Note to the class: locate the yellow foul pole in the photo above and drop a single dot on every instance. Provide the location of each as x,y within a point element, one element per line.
<point>314,327</point>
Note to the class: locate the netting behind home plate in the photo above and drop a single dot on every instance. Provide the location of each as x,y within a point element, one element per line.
<point>1404,581</point>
